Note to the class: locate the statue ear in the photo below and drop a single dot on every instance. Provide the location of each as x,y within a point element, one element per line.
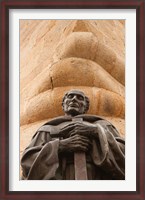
<point>63,101</point>
<point>87,104</point>
<point>62,105</point>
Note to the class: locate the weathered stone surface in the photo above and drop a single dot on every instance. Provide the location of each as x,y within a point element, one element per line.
<point>39,39</point>
<point>82,72</point>
<point>79,72</point>
<point>86,45</point>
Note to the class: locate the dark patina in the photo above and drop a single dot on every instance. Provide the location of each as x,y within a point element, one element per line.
<point>75,146</point>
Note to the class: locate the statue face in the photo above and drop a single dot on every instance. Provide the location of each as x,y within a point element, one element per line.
<point>74,103</point>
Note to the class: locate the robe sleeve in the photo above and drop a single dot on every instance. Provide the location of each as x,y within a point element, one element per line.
<point>40,159</point>
<point>108,152</point>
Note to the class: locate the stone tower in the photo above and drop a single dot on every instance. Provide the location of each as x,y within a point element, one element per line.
<point>59,55</point>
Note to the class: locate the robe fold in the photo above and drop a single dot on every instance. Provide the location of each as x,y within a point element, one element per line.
<point>104,161</point>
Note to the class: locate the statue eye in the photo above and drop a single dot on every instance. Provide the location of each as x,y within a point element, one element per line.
<point>70,96</point>
<point>80,97</point>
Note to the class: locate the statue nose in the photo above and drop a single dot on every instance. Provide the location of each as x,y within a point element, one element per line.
<point>74,98</point>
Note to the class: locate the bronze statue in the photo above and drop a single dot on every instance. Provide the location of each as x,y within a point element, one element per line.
<point>76,146</point>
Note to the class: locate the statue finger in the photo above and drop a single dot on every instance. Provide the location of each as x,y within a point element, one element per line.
<point>77,132</point>
<point>81,139</point>
<point>72,133</point>
<point>83,143</point>
<point>69,125</point>
<point>87,143</point>
<point>67,129</point>
<point>72,125</point>
<point>79,147</point>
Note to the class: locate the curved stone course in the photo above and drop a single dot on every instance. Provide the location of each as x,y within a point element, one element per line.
<point>86,45</point>
<point>79,72</point>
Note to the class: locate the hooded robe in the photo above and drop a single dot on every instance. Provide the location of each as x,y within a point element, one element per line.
<point>104,161</point>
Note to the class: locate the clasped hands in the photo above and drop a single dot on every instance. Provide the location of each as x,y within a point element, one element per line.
<point>77,137</point>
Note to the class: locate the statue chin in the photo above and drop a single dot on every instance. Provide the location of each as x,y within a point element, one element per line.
<point>73,112</point>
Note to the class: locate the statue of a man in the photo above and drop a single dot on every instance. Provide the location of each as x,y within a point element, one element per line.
<point>50,154</point>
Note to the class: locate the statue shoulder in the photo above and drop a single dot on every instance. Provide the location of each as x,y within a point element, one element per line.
<point>51,124</point>
<point>109,126</point>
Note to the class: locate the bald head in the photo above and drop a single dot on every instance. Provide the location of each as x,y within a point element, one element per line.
<point>75,102</point>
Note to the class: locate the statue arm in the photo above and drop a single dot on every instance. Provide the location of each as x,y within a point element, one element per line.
<point>40,158</point>
<point>109,151</point>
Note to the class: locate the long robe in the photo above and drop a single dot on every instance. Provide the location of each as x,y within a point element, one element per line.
<point>105,160</point>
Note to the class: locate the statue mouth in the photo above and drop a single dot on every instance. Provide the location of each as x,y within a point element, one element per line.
<point>74,105</point>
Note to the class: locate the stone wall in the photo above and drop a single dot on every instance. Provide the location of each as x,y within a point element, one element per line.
<point>58,55</point>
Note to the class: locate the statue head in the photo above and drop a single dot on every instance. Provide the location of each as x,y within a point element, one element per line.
<point>75,102</point>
